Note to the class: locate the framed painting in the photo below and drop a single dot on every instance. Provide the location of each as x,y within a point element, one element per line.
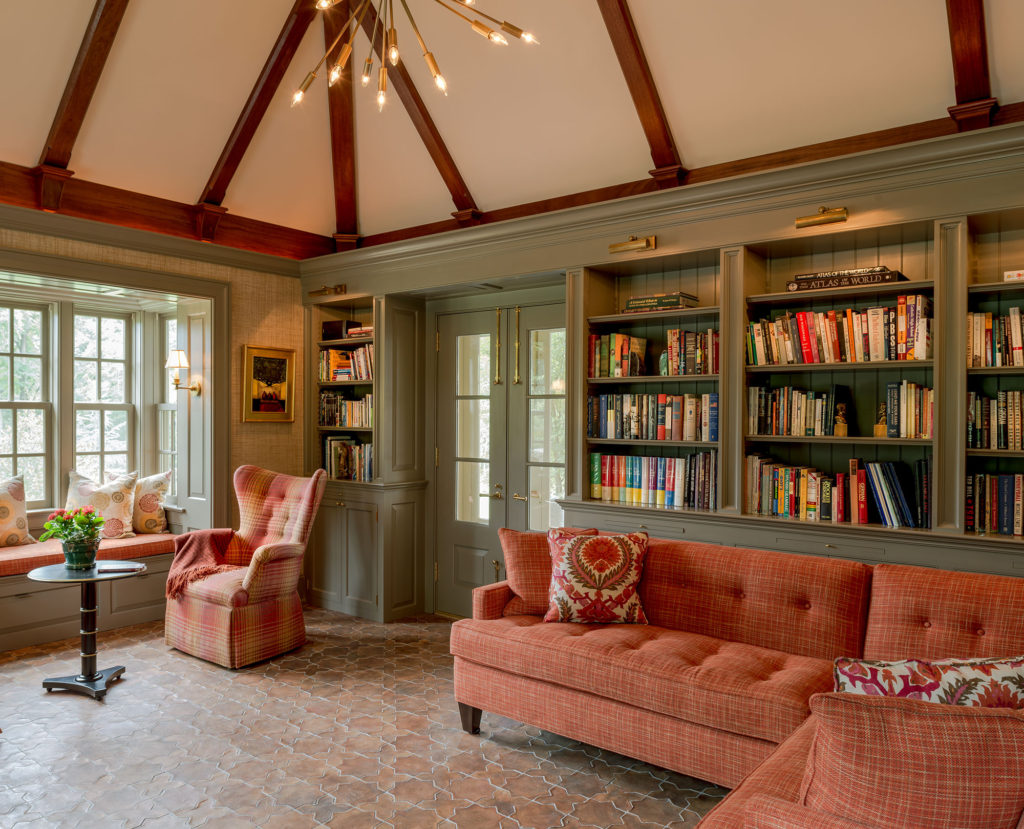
<point>268,384</point>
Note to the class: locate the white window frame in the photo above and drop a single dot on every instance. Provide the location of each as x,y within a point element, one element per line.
<point>166,458</point>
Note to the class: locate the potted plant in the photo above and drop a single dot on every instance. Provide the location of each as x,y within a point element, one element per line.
<point>79,532</point>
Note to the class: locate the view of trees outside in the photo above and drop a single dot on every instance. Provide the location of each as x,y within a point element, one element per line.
<point>167,412</point>
<point>23,439</point>
<point>102,411</point>
<point>546,458</point>
<point>473,428</point>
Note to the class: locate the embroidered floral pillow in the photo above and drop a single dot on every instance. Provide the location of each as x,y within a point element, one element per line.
<point>13,517</point>
<point>148,512</point>
<point>114,500</point>
<point>981,683</point>
<point>594,578</point>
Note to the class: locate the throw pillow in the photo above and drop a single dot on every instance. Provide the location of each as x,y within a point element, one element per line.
<point>113,500</point>
<point>148,511</point>
<point>594,578</point>
<point>907,764</point>
<point>528,568</point>
<point>13,517</point>
<point>987,683</point>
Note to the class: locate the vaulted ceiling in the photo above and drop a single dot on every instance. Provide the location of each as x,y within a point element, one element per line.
<point>176,116</point>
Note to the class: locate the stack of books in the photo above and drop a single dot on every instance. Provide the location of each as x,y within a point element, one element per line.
<point>994,340</point>
<point>790,411</point>
<point>653,416</point>
<point>361,331</point>
<point>852,277</point>
<point>616,355</point>
<point>994,504</point>
<point>336,410</point>
<point>685,483</point>
<point>660,302</point>
<point>898,332</point>
<point>347,460</point>
<point>690,352</point>
<point>994,423</point>
<point>870,493</point>
<point>339,364</point>
<point>909,410</point>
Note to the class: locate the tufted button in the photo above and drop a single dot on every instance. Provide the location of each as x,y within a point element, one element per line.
<point>926,624</point>
<point>741,595</point>
<point>981,631</point>
<point>806,605</point>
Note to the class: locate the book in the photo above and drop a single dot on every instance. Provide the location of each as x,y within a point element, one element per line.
<point>811,282</point>
<point>657,302</point>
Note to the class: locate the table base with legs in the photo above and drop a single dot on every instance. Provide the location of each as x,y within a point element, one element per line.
<point>91,682</point>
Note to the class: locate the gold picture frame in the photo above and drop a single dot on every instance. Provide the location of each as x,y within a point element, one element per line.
<point>268,384</point>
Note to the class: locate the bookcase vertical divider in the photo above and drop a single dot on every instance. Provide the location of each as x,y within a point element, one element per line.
<point>950,376</point>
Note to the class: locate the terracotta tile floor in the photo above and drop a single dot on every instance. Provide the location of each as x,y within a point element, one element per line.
<point>356,729</point>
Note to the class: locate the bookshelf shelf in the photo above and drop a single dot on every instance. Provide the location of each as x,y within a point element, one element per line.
<point>996,453</point>
<point>661,443</point>
<point>341,384</point>
<point>864,366</point>
<point>654,316</point>
<point>653,378</point>
<point>347,341</point>
<point>341,429</point>
<point>855,292</point>
<point>996,288</point>
<point>866,528</point>
<point>840,440</point>
<point>1018,370</point>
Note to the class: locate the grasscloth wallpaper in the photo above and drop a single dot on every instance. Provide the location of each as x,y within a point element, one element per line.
<point>266,309</point>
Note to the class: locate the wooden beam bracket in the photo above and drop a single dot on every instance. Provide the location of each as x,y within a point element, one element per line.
<point>468,217</point>
<point>671,176</point>
<point>346,241</point>
<point>50,181</point>
<point>974,115</point>
<point>207,217</point>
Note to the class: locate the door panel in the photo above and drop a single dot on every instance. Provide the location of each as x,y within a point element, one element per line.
<point>360,533</point>
<point>500,418</point>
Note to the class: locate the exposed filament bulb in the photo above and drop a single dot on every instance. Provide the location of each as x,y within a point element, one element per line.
<point>382,88</point>
<point>300,93</point>
<point>393,46</point>
<point>367,69</point>
<point>497,37</point>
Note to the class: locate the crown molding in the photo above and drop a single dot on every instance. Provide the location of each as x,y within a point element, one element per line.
<point>559,239</point>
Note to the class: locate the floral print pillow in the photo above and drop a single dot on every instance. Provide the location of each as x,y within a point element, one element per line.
<point>13,517</point>
<point>594,578</point>
<point>982,683</point>
<point>114,500</point>
<point>148,513</point>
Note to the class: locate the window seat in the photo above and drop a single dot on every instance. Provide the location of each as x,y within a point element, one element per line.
<point>34,612</point>
<point>15,561</point>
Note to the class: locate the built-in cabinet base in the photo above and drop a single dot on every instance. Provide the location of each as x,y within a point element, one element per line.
<point>365,557</point>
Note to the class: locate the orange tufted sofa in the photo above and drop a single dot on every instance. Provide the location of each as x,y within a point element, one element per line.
<point>738,642</point>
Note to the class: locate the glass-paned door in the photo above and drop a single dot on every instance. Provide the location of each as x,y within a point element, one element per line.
<point>501,439</point>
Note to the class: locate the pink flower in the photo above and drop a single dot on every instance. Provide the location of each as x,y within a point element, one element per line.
<point>87,510</point>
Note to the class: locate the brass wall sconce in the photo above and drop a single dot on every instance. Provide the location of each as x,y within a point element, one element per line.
<point>634,243</point>
<point>824,216</point>
<point>332,290</point>
<point>177,361</point>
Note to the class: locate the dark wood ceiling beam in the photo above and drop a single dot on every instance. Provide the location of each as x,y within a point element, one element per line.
<point>295,26</point>
<point>341,115</point>
<point>668,168</point>
<point>968,42</point>
<point>466,211</point>
<point>52,172</point>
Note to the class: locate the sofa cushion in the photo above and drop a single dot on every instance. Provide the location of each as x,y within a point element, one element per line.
<point>594,578</point>
<point>987,683</point>
<point>763,812</point>
<point>779,777</point>
<point>114,501</point>
<point>528,569</point>
<point>920,613</point>
<point>221,588</point>
<point>17,560</point>
<point>806,605</point>
<point>906,764</point>
<point>726,685</point>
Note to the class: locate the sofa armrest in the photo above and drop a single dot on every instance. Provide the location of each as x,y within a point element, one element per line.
<point>490,600</point>
<point>764,812</point>
<point>273,570</point>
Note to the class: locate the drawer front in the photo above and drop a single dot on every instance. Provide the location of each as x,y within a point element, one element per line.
<point>40,605</point>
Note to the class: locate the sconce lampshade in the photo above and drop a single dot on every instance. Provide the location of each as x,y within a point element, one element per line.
<point>176,359</point>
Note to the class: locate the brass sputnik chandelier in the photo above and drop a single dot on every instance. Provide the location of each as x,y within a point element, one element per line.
<point>385,23</point>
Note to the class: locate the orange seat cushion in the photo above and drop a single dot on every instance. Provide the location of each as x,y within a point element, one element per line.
<point>727,685</point>
<point>18,560</point>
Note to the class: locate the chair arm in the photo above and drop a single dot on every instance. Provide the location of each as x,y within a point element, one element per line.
<point>490,600</point>
<point>273,570</point>
<point>764,812</point>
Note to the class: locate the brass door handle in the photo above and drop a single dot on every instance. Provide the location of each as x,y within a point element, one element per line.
<point>497,496</point>
<point>517,497</point>
<point>497,568</point>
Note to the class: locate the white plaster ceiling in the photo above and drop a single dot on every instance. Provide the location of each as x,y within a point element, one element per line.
<point>737,78</point>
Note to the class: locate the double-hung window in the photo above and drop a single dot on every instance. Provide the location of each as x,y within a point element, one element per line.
<point>167,409</point>
<point>104,428</point>
<point>25,398</point>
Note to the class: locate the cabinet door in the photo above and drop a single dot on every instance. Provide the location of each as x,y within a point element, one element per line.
<point>359,534</point>
<point>326,557</point>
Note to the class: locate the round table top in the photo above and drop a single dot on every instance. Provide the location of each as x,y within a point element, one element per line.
<point>105,570</point>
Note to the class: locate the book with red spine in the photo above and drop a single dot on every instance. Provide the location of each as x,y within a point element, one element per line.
<point>812,336</point>
<point>662,413</point>
<point>833,330</point>
<point>862,496</point>
<point>805,336</point>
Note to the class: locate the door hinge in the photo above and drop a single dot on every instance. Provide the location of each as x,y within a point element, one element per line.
<point>437,341</point>
<point>437,457</point>
<point>435,572</point>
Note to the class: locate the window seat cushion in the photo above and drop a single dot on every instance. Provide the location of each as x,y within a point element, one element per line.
<point>19,560</point>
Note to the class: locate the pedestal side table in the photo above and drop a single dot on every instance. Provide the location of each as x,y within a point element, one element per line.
<point>90,681</point>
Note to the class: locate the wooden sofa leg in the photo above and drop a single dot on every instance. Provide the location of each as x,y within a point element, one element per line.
<point>470,718</point>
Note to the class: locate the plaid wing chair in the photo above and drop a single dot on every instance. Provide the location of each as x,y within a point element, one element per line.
<point>252,611</point>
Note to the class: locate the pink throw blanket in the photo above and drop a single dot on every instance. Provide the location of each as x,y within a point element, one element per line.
<point>197,554</point>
